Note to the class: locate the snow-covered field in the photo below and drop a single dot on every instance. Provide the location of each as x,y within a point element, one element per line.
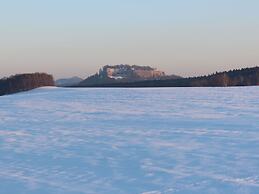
<point>130,141</point>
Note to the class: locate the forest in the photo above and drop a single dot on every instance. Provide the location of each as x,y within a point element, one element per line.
<point>25,82</point>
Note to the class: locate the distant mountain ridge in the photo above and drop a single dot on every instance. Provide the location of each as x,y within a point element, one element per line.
<point>110,74</point>
<point>241,77</point>
<point>132,76</point>
<point>68,81</point>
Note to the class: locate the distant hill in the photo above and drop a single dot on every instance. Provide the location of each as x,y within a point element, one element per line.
<point>24,82</point>
<point>241,77</point>
<point>68,81</point>
<point>124,74</point>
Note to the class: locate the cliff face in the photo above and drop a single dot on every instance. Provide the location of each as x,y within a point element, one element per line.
<point>123,74</point>
<point>25,82</point>
<point>130,72</point>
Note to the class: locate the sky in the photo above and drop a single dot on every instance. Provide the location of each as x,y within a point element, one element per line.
<point>76,37</point>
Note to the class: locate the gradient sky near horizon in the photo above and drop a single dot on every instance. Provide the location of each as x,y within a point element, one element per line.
<point>77,37</point>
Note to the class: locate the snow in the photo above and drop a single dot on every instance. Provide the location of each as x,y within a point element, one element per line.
<point>127,141</point>
<point>116,77</point>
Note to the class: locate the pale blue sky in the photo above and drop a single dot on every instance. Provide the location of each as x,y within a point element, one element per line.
<point>76,37</point>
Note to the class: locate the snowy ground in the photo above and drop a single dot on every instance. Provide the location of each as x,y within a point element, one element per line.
<point>130,141</point>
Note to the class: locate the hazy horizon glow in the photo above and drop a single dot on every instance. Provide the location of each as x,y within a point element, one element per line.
<point>75,38</point>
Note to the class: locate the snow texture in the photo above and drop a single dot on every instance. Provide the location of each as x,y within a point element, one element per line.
<point>127,141</point>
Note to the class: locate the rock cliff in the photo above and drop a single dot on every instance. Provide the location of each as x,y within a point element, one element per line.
<point>125,73</point>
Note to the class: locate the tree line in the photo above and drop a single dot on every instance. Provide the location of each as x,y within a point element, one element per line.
<point>25,82</point>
